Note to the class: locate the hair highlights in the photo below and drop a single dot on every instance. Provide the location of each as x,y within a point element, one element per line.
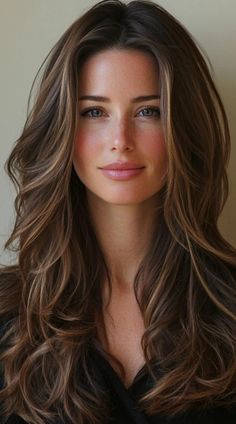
<point>185,285</point>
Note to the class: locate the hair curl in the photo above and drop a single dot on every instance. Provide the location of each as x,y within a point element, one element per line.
<point>185,284</point>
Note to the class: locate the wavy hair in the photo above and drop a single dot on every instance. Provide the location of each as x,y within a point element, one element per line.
<point>186,282</point>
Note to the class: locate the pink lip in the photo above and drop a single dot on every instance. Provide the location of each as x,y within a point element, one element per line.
<point>123,166</point>
<point>121,174</point>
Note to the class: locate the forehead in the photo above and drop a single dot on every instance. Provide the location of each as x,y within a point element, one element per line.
<point>119,69</point>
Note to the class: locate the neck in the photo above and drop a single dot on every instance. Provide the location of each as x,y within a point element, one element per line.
<point>124,233</point>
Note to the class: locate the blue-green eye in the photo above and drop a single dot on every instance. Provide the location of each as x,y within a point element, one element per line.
<point>155,112</point>
<point>96,115</point>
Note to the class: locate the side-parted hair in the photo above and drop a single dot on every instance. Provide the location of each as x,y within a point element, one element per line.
<point>186,283</point>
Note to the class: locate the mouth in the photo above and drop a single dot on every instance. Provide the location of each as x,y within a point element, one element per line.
<point>121,169</point>
<point>122,166</point>
<point>121,174</point>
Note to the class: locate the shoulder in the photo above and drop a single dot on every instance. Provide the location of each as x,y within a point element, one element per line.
<point>4,326</point>
<point>10,292</point>
<point>14,419</point>
<point>220,414</point>
<point>209,415</point>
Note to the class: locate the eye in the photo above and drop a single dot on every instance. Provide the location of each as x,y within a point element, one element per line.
<point>94,113</point>
<point>151,112</point>
<point>89,113</point>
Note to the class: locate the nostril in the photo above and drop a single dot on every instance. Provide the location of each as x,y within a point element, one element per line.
<point>121,148</point>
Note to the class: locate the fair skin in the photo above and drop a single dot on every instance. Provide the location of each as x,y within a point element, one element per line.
<point>123,211</point>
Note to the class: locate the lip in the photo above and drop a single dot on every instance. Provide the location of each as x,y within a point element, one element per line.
<point>121,166</point>
<point>122,174</point>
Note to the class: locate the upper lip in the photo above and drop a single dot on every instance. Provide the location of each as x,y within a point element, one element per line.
<point>122,165</point>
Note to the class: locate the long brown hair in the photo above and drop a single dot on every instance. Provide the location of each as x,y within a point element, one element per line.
<point>185,285</point>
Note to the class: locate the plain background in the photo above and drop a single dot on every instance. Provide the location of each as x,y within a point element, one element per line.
<point>30,28</point>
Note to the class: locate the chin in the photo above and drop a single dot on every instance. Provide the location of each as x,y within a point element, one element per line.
<point>125,200</point>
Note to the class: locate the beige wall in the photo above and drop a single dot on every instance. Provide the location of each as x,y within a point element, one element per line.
<point>29,28</point>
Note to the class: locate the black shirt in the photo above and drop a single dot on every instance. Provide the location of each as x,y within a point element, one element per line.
<point>126,411</point>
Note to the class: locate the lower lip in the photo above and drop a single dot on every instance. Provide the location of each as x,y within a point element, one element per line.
<point>121,174</point>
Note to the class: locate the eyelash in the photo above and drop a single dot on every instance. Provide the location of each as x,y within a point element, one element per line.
<point>155,109</point>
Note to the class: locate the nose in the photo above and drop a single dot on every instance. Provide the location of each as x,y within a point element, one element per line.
<point>122,139</point>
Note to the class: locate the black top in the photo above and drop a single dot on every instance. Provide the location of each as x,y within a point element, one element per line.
<point>125,409</point>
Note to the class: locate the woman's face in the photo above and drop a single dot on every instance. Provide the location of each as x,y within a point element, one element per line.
<point>119,130</point>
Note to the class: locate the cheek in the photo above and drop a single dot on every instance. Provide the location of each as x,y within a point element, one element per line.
<point>157,149</point>
<point>85,148</point>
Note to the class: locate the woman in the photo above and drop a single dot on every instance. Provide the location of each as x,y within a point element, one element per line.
<point>121,308</point>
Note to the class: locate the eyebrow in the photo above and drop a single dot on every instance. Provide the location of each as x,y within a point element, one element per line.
<point>106,99</point>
